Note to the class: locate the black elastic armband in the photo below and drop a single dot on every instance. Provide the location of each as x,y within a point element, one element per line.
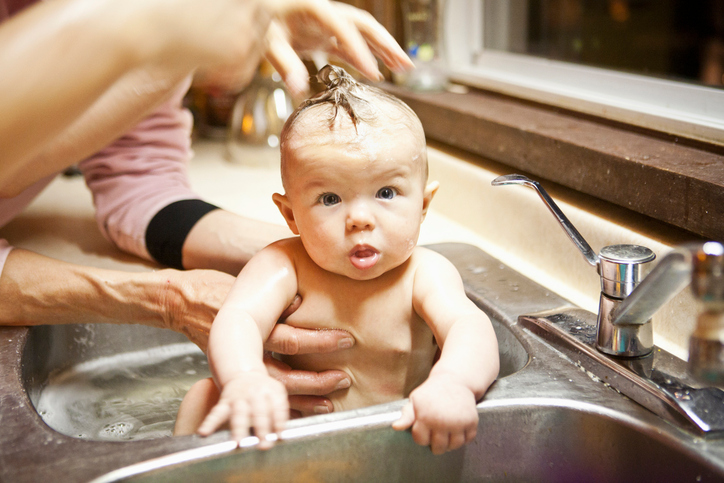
<point>167,231</point>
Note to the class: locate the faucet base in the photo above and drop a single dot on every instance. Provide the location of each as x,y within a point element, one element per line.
<point>658,381</point>
<point>621,340</point>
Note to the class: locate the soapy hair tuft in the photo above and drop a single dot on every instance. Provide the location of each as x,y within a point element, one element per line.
<point>343,91</point>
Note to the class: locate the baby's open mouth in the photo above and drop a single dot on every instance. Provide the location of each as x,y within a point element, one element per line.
<point>364,257</point>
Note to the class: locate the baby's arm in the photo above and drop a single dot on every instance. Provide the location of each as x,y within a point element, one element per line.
<point>249,396</point>
<point>442,410</point>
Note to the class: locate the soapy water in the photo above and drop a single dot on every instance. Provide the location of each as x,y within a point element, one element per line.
<point>129,396</point>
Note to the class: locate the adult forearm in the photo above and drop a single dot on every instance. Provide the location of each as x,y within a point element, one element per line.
<point>38,290</point>
<point>225,241</point>
<point>115,112</point>
<point>42,52</point>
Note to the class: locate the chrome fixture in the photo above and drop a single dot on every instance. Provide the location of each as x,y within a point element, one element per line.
<point>627,303</point>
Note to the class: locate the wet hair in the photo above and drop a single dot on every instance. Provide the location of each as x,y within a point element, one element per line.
<point>356,100</point>
<point>343,91</point>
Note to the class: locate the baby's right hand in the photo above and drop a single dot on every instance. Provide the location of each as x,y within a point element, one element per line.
<point>250,400</point>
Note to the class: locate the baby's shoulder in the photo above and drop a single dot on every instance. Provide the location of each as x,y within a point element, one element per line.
<point>289,245</point>
<point>292,250</point>
<point>424,257</point>
<point>286,251</point>
<point>429,265</point>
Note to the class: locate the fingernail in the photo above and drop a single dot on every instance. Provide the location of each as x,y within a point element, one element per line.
<point>343,384</point>
<point>321,410</point>
<point>345,343</point>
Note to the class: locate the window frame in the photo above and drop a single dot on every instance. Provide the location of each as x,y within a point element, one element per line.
<point>679,108</point>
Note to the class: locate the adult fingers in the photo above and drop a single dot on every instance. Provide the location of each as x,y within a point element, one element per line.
<point>310,405</point>
<point>297,302</point>
<point>310,383</point>
<point>285,60</point>
<point>379,40</point>
<point>307,383</point>
<point>285,339</point>
<point>319,25</point>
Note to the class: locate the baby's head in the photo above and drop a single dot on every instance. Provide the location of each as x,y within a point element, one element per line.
<point>354,168</point>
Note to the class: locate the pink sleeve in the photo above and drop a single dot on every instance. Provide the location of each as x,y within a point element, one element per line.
<point>140,173</point>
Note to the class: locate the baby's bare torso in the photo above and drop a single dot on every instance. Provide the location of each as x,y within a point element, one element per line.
<point>394,347</point>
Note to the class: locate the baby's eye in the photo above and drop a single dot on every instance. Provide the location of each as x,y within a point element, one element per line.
<point>387,193</point>
<point>329,199</point>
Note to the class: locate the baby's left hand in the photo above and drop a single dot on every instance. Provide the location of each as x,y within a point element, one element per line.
<point>442,415</point>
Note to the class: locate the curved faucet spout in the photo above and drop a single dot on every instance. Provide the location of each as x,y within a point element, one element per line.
<point>565,223</point>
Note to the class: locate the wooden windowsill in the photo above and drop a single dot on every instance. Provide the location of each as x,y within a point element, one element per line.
<point>677,181</point>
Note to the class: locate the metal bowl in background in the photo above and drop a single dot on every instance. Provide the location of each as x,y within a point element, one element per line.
<point>257,119</point>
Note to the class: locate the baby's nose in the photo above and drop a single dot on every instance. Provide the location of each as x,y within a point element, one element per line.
<point>359,217</point>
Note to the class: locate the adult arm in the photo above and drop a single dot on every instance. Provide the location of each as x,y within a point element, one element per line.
<point>45,47</point>
<point>35,289</point>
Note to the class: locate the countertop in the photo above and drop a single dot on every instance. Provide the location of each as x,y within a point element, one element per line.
<point>510,223</point>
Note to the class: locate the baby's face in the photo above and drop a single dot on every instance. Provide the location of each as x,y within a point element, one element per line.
<point>357,197</point>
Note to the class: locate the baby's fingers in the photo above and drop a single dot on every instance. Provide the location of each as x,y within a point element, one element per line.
<point>457,440</point>
<point>406,418</point>
<point>261,420</point>
<point>270,414</point>
<point>216,417</point>
<point>439,442</point>
<point>471,433</point>
<point>240,421</point>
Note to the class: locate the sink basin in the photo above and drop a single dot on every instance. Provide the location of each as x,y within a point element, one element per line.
<point>126,382</point>
<point>518,440</point>
<point>110,394</point>
<point>114,382</point>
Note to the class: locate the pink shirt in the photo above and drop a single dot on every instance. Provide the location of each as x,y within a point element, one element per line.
<point>141,172</point>
<point>131,179</point>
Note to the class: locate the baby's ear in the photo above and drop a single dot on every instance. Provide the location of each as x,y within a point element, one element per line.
<point>429,194</point>
<point>285,208</point>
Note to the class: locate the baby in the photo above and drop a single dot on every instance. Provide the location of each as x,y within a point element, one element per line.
<point>354,171</point>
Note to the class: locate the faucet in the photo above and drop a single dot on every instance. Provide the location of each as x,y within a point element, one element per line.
<point>627,302</point>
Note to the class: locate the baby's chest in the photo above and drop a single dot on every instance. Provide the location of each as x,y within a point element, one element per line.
<point>383,318</point>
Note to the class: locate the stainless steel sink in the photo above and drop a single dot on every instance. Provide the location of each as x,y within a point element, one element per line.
<point>519,440</point>
<point>121,383</point>
<point>545,419</point>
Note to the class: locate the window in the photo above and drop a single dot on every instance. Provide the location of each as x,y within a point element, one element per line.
<point>658,64</point>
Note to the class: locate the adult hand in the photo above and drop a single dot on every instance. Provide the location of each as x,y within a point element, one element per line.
<point>192,300</point>
<point>346,32</point>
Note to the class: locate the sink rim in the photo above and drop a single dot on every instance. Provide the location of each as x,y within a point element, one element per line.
<point>383,415</point>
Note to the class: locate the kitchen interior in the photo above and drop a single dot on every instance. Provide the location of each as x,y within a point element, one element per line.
<point>615,109</point>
